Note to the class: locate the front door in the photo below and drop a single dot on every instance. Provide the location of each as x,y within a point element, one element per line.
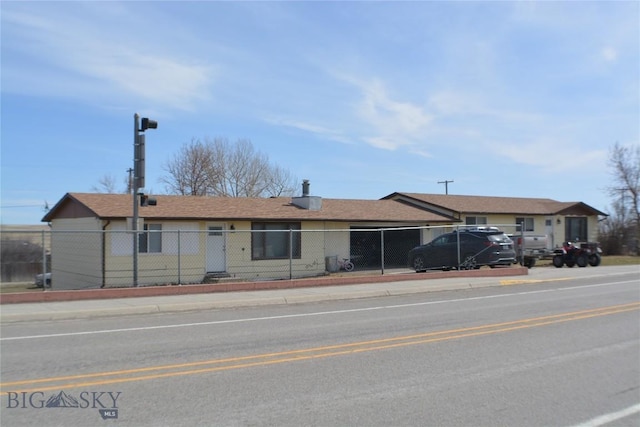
<point>216,261</point>
<point>548,223</point>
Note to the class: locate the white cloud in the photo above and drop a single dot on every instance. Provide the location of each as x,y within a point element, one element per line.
<point>552,156</point>
<point>319,130</point>
<point>609,54</point>
<point>421,153</point>
<point>89,62</point>
<point>395,123</point>
<point>154,78</point>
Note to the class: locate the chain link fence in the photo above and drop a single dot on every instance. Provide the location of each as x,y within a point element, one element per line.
<point>116,258</point>
<point>23,255</point>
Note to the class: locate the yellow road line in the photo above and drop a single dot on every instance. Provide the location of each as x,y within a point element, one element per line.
<point>216,365</point>
<point>509,282</point>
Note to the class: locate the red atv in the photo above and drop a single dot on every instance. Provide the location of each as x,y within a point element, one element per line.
<point>571,255</point>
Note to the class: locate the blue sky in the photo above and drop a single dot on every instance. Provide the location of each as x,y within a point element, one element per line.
<point>514,99</point>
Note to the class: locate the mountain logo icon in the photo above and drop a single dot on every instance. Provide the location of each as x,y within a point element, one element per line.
<point>62,400</point>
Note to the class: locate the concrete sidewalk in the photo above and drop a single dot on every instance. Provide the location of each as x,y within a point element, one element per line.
<point>59,310</point>
<point>369,287</point>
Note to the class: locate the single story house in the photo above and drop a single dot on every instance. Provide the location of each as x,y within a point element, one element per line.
<point>561,221</point>
<point>184,239</point>
<point>251,238</point>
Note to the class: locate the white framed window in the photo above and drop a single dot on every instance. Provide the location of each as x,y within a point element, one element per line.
<point>150,240</point>
<point>526,222</point>
<point>476,220</point>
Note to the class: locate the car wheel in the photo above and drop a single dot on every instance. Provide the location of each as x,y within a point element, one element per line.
<point>418,263</point>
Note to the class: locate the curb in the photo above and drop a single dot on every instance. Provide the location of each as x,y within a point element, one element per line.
<point>234,303</point>
<point>151,291</point>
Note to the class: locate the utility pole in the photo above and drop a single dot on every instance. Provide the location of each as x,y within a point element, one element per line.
<point>446,185</point>
<point>138,180</point>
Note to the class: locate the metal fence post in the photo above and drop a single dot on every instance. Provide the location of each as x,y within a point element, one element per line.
<point>179,259</point>
<point>382,251</point>
<point>44,265</point>
<point>522,243</point>
<point>458,244</point>
<point>290,253</point>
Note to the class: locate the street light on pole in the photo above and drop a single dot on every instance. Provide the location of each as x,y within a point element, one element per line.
<point>138,179</point>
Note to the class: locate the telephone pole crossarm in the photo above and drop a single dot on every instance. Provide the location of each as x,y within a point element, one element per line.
<point>446,185</point>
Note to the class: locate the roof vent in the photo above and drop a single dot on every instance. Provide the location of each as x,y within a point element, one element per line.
<point>312,203</point>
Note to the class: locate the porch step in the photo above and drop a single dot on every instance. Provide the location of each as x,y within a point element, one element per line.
<point>215,277</point>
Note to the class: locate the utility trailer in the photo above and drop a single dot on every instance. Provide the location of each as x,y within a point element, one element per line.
<point>530,248</point>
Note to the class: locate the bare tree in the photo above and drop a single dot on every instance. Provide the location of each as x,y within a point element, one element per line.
<point>220,168</point>
<point>282,183</point>
<point>624,162</point>
<point>106,184</point>
<point>191,171</point>
<point>614,232</point>
<point>246,171</point>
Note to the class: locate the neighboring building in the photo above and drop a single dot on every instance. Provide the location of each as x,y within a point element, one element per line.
<point>561,221</point>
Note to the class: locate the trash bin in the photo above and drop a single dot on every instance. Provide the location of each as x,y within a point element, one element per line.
<point>331,263</point>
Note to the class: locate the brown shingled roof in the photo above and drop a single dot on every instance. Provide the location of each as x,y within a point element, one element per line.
<point>112,206</point>
<point>495,205</point>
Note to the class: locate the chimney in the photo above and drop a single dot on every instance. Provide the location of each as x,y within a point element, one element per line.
<point>312,203</point>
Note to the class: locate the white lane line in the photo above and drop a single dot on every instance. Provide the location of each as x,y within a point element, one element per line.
<point>318,313</point>
<point>609,418</point>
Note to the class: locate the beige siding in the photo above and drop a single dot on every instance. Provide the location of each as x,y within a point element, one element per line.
<point>156,268</point>
<point>592,228</point>
<point>76,253</point>
<point>337,239</point>
<point>163,268</point>
<point>314,249</point>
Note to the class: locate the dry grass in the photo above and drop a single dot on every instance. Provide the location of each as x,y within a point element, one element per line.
<point>9,288</point>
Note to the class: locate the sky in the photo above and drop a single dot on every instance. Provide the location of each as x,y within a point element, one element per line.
<point>363,99</point>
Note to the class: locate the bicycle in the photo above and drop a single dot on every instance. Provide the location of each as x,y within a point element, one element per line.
<point>345,264</point>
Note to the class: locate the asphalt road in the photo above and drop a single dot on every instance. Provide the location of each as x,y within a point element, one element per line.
<point>562,353</point>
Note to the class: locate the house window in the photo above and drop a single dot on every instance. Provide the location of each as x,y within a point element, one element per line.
<point>476,220</point>
<point>576,229</point>
<point>215,231</point>
<point>150,240</point>
<point>270,240</point>
<point>527,222</point>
